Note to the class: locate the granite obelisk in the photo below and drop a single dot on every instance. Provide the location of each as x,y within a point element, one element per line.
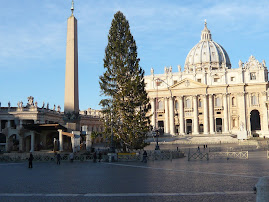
<point>71,99</point>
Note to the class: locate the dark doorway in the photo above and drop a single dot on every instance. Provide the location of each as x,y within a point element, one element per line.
<point>255,120</point>
<point>177,129</point>
<point>161,127</point>
<point>201,128</point>
<point>189,126</point>
<point>219,125</point>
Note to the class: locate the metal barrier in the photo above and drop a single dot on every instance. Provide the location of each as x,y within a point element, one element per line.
<point>153,155</point>
<point>52,157</point>
<point>198,155</point>
<point>228,155</point>
<point>219,155</point>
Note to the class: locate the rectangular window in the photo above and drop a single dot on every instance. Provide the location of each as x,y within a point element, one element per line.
<point>253,76</point>
<point>216,80</point>
<point>217,102</point>
<point>232,78</point>
<point>199,80</point>
<point>175,81</point>
<point>254,100</point>
<point>158,83</point>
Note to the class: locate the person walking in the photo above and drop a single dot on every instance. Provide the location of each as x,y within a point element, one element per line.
<point>100,156</point>
<point>145,155</point>
<point>31,158</point>
<point>94,157</point>
<point>58,158</point>
<point>71,157</point>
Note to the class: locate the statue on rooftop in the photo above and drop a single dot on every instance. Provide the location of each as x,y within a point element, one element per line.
<point>179,68</point>
<point>240,64</point>
<point>30,101</point>
<point>59,108</point>
<point>152,71</point>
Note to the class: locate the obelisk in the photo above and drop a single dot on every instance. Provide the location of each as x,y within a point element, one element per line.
<point>71,99</point>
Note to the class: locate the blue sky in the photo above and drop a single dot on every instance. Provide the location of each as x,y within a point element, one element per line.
<point>33,40</point>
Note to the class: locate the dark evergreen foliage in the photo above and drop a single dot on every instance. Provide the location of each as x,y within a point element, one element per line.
<point>123,84</point>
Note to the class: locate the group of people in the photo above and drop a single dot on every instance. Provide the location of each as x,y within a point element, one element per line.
<point>71,157</point>
<point>95,156</point>
<point>57,156</point>
<point>205,147</point>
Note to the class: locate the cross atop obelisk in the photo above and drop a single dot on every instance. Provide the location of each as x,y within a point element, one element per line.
<point>71,99</point>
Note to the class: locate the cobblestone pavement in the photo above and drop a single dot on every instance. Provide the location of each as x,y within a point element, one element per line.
<point>177,180</point>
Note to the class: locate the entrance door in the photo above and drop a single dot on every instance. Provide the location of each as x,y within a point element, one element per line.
<point>219,125</point>
<point>201,128</point>
<point>255,120</point>
<point>189,126</point>
<point>161,127</point>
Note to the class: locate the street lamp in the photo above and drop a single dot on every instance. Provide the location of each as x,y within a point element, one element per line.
<point>157,147</point>
<point>112,148</point>
<point>169,88</point>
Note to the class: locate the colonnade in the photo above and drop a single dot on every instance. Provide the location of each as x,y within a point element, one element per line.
<point>208,114</point>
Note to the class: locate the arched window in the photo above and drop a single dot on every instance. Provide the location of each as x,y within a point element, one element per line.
<point>176,104</point>
<point>188,103</point>
<point>217,102</point>
<point>200,103</point>
<point>233,101</point>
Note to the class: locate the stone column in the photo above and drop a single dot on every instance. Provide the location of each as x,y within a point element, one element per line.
<point>226,121</point>
<point>7,144</point>
<point>21,143</point>
<point>20,124</point>
<point>166,116</point>
<point>181,117</point>
<point>171,113</point>
<point>195,116</point>
<point>8,124</point>
<point>153,111</point>
<point>205,115</point>
<point>265,114</point>
<point>88,140</point>
<point>61,139</point>
<point>32,141</point>
<point>211,115</point>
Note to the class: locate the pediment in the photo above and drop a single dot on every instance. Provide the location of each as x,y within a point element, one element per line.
<point>188,83</point>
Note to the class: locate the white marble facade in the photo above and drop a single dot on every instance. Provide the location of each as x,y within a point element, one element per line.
<point>209,97</point>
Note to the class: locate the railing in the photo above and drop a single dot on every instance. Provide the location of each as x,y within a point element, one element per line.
<point>154,155</point>
<point>198,155</point>
<point>229,155</point>
<point>23,157</point>
<point>218,155</point>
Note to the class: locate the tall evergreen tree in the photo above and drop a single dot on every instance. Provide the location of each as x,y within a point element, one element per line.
<point>127,104</point>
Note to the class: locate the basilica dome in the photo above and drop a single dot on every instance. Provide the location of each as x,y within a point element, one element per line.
<point>207,54</point>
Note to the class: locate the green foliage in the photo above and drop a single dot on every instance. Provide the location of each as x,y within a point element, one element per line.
<point>123,84</point>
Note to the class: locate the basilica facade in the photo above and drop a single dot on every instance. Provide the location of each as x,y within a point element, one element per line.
<point>209,97</point>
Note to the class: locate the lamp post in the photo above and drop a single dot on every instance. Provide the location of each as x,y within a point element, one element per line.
<point>157,147</point>
<point>112,148</point>
<point>171,113</point>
